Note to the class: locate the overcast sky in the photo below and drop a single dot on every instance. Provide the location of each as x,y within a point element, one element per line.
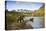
<point>13,5</point>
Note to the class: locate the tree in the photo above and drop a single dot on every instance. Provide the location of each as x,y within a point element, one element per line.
<point>40,11</point>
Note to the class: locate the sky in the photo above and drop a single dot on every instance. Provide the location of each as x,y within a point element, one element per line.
<point>14,5</point>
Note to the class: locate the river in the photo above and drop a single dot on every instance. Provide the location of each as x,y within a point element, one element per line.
<point>38,22</point>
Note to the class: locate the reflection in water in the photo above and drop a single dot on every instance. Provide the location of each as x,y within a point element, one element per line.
<point>38,22</point>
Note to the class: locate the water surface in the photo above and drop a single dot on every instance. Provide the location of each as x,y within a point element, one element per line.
<point>38,22</point>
